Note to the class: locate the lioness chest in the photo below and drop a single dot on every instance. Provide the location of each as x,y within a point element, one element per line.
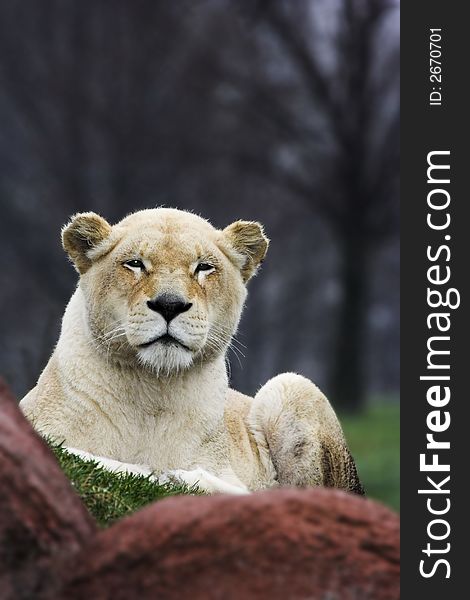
<point>163,440</point>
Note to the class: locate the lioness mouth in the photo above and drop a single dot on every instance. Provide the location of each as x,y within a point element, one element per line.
<point>166,339</point>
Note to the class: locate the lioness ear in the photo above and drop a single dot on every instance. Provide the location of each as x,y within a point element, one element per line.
<point>82,234</point>
<point>248,240</point>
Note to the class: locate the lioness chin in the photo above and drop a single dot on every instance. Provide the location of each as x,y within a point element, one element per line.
<point>138,377</point>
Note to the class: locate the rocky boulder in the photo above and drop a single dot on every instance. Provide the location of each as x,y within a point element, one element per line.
<point>40,515</point>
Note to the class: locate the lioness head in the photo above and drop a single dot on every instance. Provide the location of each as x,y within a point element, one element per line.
<point>163,288</point>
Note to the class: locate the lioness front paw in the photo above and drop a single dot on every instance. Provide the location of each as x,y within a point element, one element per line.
<point>175,477</point>
<point>201,479</point>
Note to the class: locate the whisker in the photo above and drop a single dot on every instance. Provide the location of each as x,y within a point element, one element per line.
<point>236,355</point>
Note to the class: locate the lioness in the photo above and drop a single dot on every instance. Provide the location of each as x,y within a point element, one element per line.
<point>138,378</point>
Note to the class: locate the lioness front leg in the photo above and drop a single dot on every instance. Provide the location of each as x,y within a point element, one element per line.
<point>115,466</point>
<point>198,477</point>
<point>295,425</point>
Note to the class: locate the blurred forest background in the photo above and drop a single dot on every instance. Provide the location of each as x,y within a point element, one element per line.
<point>282,111</point>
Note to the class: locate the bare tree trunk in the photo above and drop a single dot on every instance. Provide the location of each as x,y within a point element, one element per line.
<point>347,384</point>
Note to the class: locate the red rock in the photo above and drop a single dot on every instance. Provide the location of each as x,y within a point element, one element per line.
<point>291,544</point>
<point>40,515</point>
<point>318,544</point>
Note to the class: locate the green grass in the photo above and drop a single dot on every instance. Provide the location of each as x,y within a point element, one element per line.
<point>111,496</point>
<point>374,439</point>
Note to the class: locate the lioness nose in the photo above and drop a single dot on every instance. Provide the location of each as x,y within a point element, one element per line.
<point>169,306</point>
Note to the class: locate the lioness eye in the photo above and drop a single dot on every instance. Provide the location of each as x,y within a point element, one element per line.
<point>204,267</point>
<point>134,264</point>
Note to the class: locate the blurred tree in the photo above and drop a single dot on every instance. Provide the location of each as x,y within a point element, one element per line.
<point>337,128</point>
